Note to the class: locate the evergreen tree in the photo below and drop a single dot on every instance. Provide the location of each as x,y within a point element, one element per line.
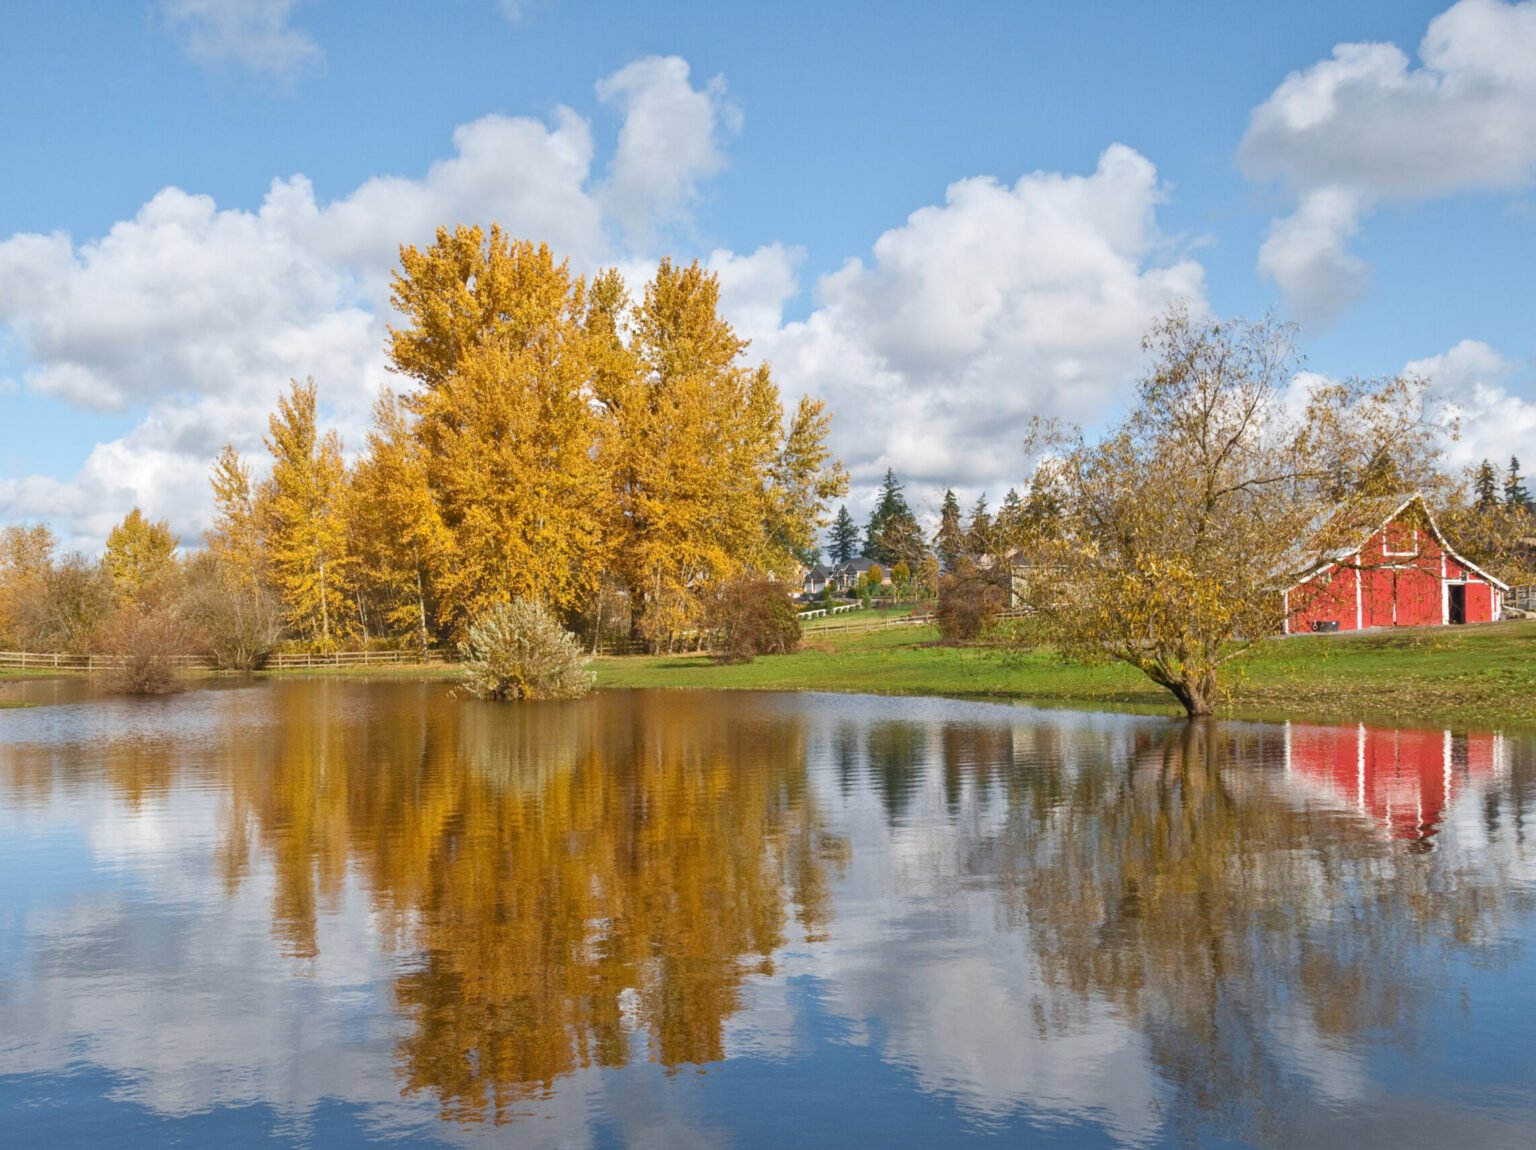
<point>900,540</point>
<point>1515,494</point>
<point>890,504</point>
<point>1486,487</point>
<point>978,533</point>
<point>949,542</point>
<point>1009,525</point>
<point>844,544</point>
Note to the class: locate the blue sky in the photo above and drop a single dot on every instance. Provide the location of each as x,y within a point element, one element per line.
<point>1022,187</point>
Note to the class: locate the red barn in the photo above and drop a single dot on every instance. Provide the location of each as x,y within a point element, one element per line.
<point>1403,574</point>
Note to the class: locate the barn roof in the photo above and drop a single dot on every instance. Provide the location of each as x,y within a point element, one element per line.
<point>1367,517</point>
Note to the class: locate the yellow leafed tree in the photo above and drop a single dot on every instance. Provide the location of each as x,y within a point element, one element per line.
<point>704,483</point>
<point>505,420</point>
<point>235,539</point>
<point>139,554</point>
<point>301,511</point>
<point>398,533</point>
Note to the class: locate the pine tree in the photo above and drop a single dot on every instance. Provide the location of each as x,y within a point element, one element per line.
<point>1486,486</point>
<point>901,541</point>
<point>949,541</point>
<point>889,504</point>
<point>978,533</point>
<point>1515,494</point>
<point>1010,525</point>
<point>844,543</point>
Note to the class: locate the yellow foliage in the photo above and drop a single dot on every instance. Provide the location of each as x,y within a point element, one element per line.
<point>300,508</point>
<point>139,554</point>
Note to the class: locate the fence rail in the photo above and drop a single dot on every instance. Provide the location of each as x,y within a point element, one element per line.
<point>297,660</point>
<point>57,661</point>
<point>1523,598</point>
<point>279,661</point>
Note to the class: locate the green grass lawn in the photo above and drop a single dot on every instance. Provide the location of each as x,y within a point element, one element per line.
<point>1464,676</point>
<point>1467,675</point>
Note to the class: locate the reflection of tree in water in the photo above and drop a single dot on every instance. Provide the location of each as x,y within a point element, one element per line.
<point>1227,922</point>
<point>574,877</point>
<point>897,758</point>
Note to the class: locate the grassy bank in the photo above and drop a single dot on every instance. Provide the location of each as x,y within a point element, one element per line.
<point>1465,676</point>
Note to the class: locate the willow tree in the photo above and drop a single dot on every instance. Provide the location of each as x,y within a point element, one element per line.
<point>1178,529</point>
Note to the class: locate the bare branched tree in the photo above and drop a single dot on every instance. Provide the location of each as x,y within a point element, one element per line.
<point>1232,474</point>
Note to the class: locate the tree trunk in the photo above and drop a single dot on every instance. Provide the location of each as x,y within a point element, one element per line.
<point>1196,693</point>
<point>421,615</point>
<point>325,612</point>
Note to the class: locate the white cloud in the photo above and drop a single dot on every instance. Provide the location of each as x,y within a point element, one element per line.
<point>1473,382</point>
<point>755,288</point>
<point>201,315</point>
<point>1366,126</point>
<point>255,34</point>
<point>972,316</point>
<point>670,139</point>
<point>1000,304</point>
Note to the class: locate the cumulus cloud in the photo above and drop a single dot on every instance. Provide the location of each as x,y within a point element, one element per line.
<point>754,288</point>
<point>1366,126</point>
<point>669,142</point>
<point>199,315</point>
<point>1478,386</point>
<point>975,315</point>
<point>253,34</point>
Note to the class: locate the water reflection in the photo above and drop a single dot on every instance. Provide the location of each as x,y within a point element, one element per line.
<point>452,914</point>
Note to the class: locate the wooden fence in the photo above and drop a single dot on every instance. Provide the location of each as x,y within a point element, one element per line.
<point>55,661</point>
<point>299,660</point>
<point>280,661</point>
<point>820,612</point>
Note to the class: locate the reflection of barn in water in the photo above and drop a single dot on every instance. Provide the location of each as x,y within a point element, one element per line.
<point>1404,782</point>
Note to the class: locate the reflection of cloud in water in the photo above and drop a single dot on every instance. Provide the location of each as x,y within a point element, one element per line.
<point>963,908</point>
<point>922,958</point>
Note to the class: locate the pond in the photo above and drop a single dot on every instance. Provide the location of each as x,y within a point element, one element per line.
<point>332,913</point>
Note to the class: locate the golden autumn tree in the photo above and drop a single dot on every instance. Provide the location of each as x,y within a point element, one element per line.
<point>1180,526</point>
<point>504,419</point>
<point>398,534</point>
<point>26,562</point>
<point>301,508</point>
<point>575,443</point>
<point>139,554</point>
<point>234,539</point>
<point>705,483</point>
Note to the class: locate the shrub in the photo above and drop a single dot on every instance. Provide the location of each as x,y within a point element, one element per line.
<point>235,621</point>
<point>752,615</point>
<point>969,603</point>
<point>145,645</point>
<point>518,650</point>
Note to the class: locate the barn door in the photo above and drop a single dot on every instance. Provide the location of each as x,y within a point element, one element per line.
<point>1458,602</point>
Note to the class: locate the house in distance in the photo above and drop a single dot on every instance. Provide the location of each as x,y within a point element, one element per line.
<point>1404,573</point>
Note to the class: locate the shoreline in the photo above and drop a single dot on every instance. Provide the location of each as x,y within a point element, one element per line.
<point>1467,677</point>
